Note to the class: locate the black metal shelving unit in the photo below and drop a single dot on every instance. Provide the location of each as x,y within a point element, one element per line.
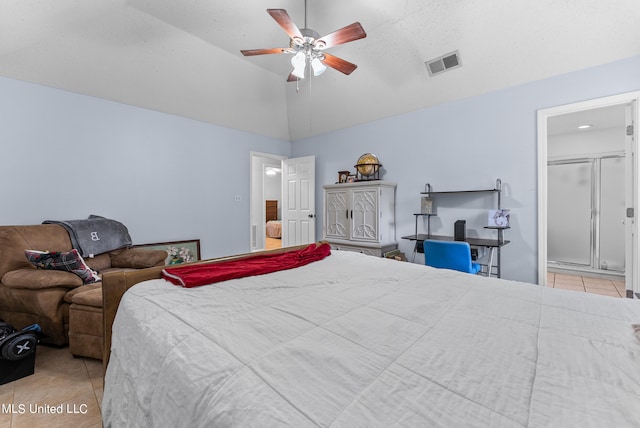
<point>492,244</point>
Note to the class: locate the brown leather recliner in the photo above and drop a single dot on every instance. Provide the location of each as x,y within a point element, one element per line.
<point>67,310</point>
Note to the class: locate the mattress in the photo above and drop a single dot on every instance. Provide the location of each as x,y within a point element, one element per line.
<point>359,341</point>
<point>274,229</point>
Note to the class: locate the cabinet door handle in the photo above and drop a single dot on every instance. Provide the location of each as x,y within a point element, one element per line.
<point>346,213</point>
<point>351,213</point>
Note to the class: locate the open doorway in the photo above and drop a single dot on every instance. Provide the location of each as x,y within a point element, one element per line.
<point>266,201</point>
<point>289,185</point>
<point>588,193</point>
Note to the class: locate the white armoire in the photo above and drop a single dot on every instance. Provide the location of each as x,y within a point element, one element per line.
<point>360,217</point>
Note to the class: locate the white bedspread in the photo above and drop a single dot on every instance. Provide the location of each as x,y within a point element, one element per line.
<point>357,341</point>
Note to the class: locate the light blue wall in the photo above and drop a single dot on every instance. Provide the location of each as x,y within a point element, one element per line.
<point>468,144</point>
<point>65,156</point>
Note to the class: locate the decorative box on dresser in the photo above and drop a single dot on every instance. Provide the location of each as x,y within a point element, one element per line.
<point>360,217</point>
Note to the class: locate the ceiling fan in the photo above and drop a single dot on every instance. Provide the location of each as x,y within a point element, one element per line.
<point>307,46</point>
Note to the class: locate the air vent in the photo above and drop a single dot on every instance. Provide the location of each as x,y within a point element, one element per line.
<point>443,63</point>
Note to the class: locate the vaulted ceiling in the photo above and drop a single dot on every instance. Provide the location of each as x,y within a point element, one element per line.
<point>183,57</point>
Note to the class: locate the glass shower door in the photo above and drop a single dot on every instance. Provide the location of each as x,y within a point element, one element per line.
<point>612,214</point>
<point>569,217</point>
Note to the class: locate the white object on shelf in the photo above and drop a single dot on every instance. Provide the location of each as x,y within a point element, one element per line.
<point>499,218</point>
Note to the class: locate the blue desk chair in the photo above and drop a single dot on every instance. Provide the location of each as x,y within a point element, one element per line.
<point>454,255</point>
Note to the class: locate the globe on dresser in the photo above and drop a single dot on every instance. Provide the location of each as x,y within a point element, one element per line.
<point>368,166</point>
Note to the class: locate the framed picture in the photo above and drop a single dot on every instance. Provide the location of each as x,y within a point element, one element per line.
<point>499,218</point>
<point>426,205</point>
<point>178,251</point>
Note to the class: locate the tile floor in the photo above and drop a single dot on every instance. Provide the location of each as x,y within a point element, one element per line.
<point>60,382</point>
<point>608,286</point>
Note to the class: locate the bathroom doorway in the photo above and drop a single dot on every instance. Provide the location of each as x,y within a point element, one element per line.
<point>588,189</point>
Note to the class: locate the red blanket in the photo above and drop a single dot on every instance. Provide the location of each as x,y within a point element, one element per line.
<point>202,274</point>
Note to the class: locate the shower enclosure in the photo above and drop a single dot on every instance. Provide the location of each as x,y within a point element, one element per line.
<point>586,211</point>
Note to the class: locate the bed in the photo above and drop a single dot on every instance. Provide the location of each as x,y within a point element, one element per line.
<point>358,341</point>
<point>274,225</point>
<point>274,229</point>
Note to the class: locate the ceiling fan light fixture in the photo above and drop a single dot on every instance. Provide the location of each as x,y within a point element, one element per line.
<point>318,67</point>
<point>319,44</point>
<point>299,63</point>
<point>296,41</point>
<point>307,45</point>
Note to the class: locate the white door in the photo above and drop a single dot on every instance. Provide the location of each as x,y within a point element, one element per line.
<point>298,201</point>
<point>631,241</point>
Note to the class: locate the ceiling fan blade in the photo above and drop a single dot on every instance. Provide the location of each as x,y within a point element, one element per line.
<point>251,52</point>
<point>346,34</point>
<point>291,77</point>
<point>284,20</point>
<point>339,64</point>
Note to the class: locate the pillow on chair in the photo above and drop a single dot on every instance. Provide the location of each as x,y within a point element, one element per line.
<point>70,261</point>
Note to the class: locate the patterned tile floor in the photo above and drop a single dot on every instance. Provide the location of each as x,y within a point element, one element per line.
<point>63,392</point>
<point>608,286</point>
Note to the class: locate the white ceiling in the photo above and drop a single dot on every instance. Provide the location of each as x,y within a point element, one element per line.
<point>598,119</point>
<point>183,56</point>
